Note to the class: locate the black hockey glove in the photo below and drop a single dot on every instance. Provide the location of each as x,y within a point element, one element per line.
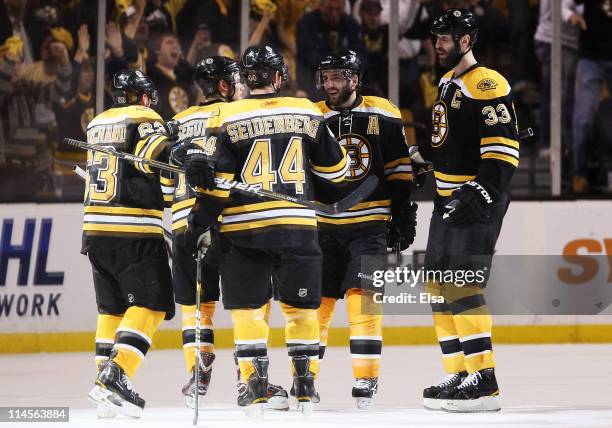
<point>402,228</point>
<point>199,167</point>
<point>420,166</point>
<point>172,128</point>
<point>469,204</point>
<point>199,231</point>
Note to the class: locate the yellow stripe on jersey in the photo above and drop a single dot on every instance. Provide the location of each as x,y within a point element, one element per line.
<point>149,148</point>
<point>446,184</point>
<point>183,204</point>
<point>499,140</point>
<point>99,209</point>
<point>396,162</point>
<point>221,193</point>
<point>334,173</point>
<point>123,228</point>
<point>360,213</point>
<point>506,158</point>
<point>166,181</point>
<point>290,221</point>
<point>352,220</point>
<point>119,114</point>
<point>399,176</point>
<point>260,206</point>
<point>179,224</point>
<point>371,204</point>
<point>453,177</point>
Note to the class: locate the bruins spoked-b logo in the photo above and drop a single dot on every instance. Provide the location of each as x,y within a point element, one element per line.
<point>439,119</point>
<point>178,99</point>
<point>360,155</point>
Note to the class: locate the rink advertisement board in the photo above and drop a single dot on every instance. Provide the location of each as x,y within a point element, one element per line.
<point>46,283</point>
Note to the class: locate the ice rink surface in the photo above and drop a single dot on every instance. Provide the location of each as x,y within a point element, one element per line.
<point>545,386</point>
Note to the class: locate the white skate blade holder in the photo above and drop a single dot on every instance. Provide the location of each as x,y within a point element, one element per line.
<point>255,411</point>
<point>483,404</point>
<point>364,403</point>
<point>305,407</point>
<point>190,401</point>
<point>432,403</point>
<point>277,403</point>
<point>104,411</point>
<point>101,395</point>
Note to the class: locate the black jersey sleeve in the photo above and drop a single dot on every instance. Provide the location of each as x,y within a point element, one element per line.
<point>328,159</point>
<point>497,128</point>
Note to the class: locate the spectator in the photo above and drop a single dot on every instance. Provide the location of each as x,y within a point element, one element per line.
<point>570,31</point>
<point>221,16</point>
<point>172,75</point>
<point>376,38</point>
<point>321,32</point>
<point>202,46</point>
<point>594,69</point>
<point>288,13</point>
<point>413,27</point>
<point>12,13</point>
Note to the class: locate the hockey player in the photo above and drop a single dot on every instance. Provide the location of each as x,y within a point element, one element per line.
<point>276,143</point>
<point>475,151</point>
<point>123,238</point>
<point>220,80</point>
<point>370,129</point>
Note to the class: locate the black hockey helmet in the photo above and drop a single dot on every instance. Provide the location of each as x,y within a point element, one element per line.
<point>259,64</point>
<point>347,61</point>
<point>211,70</point>
<point>457,23</point>
<point>130,85</point>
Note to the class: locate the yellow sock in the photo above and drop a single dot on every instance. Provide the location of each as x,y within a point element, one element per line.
<point>105,336</point>
<point>302,334</point>
<point>134,337</point>
<point>365,321</point>
<point>207,336</point>
<point>473,322</point>
<point>325,314</point>
<point>452,353</point>
<point>250,337</point>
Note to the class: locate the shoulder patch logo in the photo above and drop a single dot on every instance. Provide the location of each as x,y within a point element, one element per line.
<point>487,84</point>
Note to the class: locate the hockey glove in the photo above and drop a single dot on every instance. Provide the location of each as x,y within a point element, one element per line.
<point>420,166</point>
<point>199,167</point>
<point>199,231</point>
<point>402,228</point>
<point>469,204</point>
<point>172,128</point>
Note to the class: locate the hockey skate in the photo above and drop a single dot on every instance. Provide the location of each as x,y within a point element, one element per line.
<point>114,389</point>
<point>364,390</point>
<point>278,399</point>
<point>477,393</point>
<point>303,384</point>
<point>206,360</point>
<point>255,394</point>
<point>431,395</point>
<point>104,411</point>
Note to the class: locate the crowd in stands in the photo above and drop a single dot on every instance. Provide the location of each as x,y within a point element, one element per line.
<point>48,62</point>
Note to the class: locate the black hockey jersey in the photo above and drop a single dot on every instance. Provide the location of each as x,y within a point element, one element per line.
<point>277,143</point>
<point>474,134</point>
<point>372,134</point>
<point>123,199</point>
<point>177,193</point>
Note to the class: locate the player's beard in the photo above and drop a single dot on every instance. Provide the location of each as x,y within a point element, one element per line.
<point>343,95</point>
<point>452,57</point>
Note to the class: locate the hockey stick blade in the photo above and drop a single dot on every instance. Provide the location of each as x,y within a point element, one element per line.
<point>363,191</point>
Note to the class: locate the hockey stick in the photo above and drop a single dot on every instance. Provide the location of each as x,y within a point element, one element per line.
<point>83,175</point>
<point>198,317</point>
<point>359,194</point>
